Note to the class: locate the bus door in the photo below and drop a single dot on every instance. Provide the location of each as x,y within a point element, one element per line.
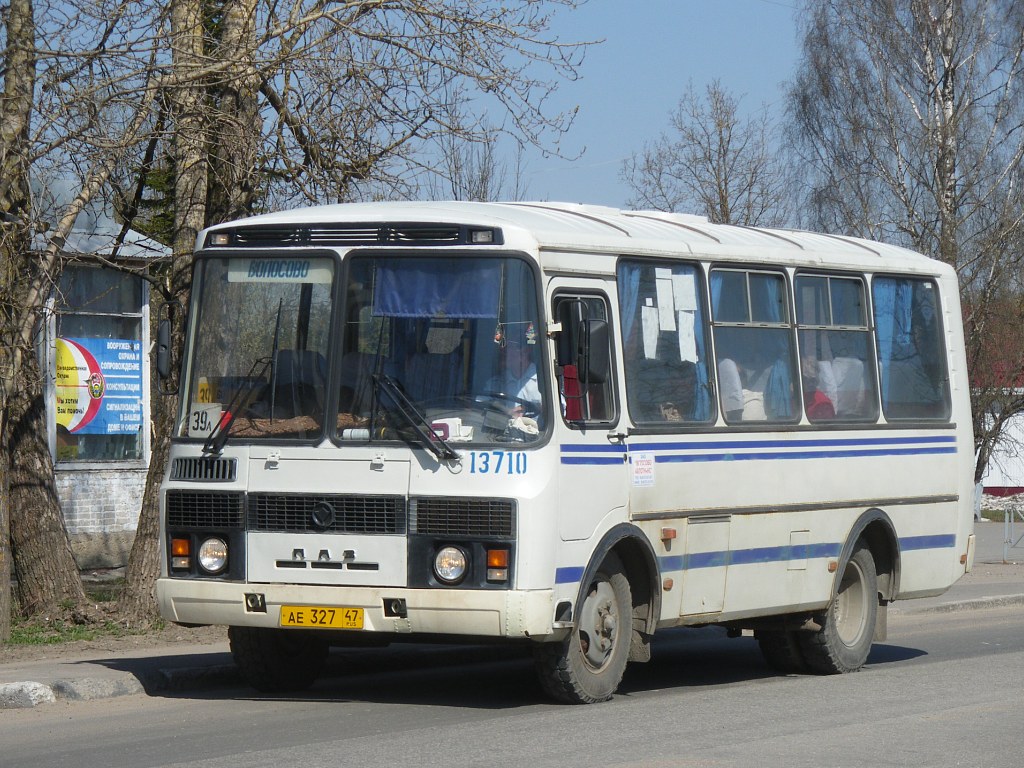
<point>592,452</point>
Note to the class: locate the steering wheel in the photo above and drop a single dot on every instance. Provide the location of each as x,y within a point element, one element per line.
<point>488,398</point>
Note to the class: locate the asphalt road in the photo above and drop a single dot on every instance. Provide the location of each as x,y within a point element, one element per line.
<point>944,690</point>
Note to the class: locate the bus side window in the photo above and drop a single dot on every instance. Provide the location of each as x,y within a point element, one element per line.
<point>754,346</point>
<point>836,370</point>
<point>911,358</point>
<point>665,344</point>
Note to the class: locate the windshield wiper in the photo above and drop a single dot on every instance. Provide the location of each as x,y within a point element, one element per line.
<point>414,418</point>
<point>216,440</point>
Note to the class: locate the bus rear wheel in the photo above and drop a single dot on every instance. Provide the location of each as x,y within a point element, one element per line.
<point>587,667</point>
<point>278,660</point>
<point>848,624</point>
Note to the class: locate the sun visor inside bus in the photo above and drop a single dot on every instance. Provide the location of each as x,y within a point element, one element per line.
<point>450,288</point>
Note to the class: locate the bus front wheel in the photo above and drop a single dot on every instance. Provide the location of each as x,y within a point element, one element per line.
<point>848,624</point>
<point>587,667</point>
<point>278,660</point>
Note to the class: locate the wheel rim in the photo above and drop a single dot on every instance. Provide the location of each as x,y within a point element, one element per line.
<point>851,608</point>
<point>598,625</point>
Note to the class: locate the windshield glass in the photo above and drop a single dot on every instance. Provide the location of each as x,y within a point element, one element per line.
<point>460,337</point>
<point>259,347</point>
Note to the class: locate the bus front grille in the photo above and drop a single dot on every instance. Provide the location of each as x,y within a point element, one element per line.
<point>294,513</point>
<point>204,509</point>
<point>456,516</point>
<point>203,468</point>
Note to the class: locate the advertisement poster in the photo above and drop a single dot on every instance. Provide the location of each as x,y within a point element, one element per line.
<point>99,386</point>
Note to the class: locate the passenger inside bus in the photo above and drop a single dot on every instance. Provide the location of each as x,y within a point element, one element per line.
<point>753,386</point>
<point>517,374</point>
<point>664,389</point>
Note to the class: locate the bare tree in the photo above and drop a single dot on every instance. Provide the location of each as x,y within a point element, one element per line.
<point>712,161</point>
<point>909,122</point>
<point>474,170</point>
<point>323,102</point>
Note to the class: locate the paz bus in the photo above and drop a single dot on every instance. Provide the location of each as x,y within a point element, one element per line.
<point>563,426</point>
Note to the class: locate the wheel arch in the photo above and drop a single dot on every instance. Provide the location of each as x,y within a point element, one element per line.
<point>635,552</point>
<point>876,529</point>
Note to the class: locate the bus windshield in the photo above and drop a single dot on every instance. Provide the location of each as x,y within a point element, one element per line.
<point>459,337</point>
<point>428,346</point>
<point>260,347</point>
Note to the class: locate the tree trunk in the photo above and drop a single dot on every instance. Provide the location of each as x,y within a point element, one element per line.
<point>48,580</point>
<point>235,133</point>
<point>19,68</point>
<point>136,605</point>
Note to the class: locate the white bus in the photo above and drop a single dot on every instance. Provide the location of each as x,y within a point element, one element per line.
<point>564,426</point>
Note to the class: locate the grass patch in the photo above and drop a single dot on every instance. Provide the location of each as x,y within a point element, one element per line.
<point>42,631</point>
<point>103,591</point>
<point>998,516</point>
<point>37,632</point>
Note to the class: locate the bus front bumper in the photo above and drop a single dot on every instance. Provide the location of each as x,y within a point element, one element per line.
<point>481,613</point>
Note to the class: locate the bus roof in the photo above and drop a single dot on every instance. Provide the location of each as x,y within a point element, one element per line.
<point>579,228</point>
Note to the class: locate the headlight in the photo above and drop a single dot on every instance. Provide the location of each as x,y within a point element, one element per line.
<point>213,555</point>
<point>450,565</point>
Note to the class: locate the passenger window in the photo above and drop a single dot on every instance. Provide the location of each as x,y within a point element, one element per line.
<point>664,343</point>
<point>753,347</point>
<point>836,365</point>
<point>911,359</point>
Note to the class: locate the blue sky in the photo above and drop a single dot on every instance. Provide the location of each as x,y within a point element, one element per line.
<point>629,84</point>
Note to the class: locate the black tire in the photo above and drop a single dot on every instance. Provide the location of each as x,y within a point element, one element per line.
<point>587,667</point>
<point>781,649</point>
<point>848,624</point>
<point>278,660</point>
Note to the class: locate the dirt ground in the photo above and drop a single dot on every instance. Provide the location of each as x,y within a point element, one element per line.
<point>169,635</point>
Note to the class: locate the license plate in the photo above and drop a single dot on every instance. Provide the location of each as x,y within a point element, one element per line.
<point>321,617</point>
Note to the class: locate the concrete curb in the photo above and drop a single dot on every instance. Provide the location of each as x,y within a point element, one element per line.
<point>973,604</point>
<point>27,694</point>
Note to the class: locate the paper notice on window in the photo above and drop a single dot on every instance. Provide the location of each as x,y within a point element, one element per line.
<point>666,304</point>
<point>687,338</point>
<point>651,326</point>
<point>684,291</point>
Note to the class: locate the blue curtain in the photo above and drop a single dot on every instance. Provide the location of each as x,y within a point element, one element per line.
<point>893,307</point>
<point>437,288</point>
<point>629,297</point>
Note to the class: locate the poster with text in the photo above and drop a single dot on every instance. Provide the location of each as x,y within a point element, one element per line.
<point>99,386</point>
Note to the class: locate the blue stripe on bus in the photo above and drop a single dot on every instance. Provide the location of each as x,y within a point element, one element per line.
<point>739,450</point>
<point>798,443</point>
<point>790,455</point>
<point>940,541</point>
<point>762,555</point>
<point>587,448</point>
<point>594,459</point>
<point>568,575</point>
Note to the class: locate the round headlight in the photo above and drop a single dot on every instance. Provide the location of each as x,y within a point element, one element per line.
<point>213,555</point>
<point>450,565</point>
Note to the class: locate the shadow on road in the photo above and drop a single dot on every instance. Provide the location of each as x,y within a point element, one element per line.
<point>487,677</point>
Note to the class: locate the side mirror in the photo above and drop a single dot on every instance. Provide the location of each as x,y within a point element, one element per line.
<point>163,348</point>
<point>583,342</point>
<point>595,358</point>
